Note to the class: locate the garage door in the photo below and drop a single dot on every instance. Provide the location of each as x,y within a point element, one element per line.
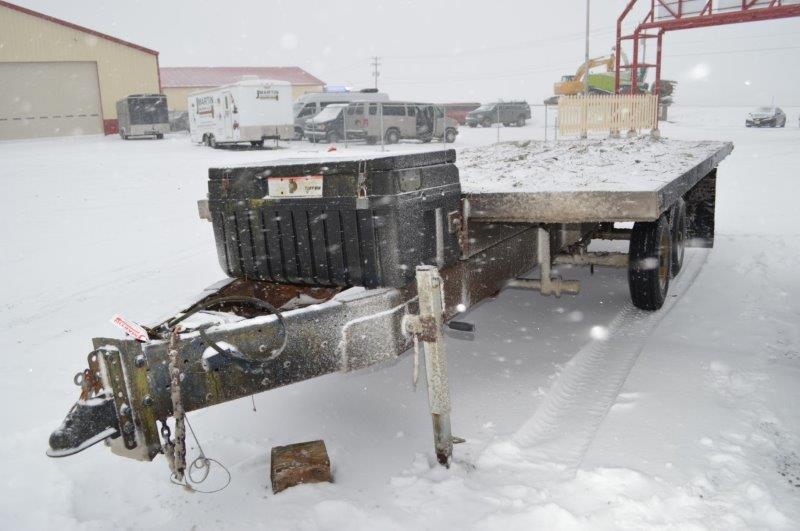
<point>49,99</point>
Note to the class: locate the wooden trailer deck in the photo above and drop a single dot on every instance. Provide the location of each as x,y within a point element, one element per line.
<point>583,181</point>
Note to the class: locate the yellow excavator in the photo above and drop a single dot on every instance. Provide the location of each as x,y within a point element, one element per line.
<point>571,85</point>
<point>601,82</point>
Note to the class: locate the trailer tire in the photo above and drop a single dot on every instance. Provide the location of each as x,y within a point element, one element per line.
<point>371,140</point>
<point>212,142</point>
<point>392,136</point>
<point>450,135</point>
<point>649,260</point>
<point>677,222</point>
<point>205,139</point>
<point>486,122</point>
<point>159,136</point>
<point>521,121</point>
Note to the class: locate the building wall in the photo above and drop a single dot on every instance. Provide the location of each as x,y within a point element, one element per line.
<point>122,70</point>
<point>176,96</point>
<point>299,90</point>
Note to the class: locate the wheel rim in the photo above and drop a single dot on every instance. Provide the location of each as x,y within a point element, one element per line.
<point>679,240</point>
<point>663,259</point>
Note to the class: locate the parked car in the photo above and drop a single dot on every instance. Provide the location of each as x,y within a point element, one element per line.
<point>327,125</point>
<point>401,120</point>
<point>505,112</point>
<point>141,115</point>
<point>311,104</point>
<point>766,117</point>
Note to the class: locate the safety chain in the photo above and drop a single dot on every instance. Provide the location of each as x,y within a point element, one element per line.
<point>175,451</point>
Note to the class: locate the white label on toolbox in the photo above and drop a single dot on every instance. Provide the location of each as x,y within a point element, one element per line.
<point>300,186</point>
<point>130,328</point>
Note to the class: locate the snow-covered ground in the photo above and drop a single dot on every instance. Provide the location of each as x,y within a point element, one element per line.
<point>578,412</point>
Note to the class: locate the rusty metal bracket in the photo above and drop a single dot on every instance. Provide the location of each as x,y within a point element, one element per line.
<point>423,328</point>
<point>113,372</point>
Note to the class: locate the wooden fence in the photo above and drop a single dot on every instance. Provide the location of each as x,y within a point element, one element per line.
<point>615,113</point>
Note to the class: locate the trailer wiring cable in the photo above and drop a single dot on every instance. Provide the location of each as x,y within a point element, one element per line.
<point>201,463</point>
<point>205,305</point>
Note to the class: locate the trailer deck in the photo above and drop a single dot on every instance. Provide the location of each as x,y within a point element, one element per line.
<point>523,205</point>
<point>583,181</point>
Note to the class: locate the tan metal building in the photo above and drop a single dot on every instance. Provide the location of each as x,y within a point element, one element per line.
<point>58,78</point>
<point>179,82</point>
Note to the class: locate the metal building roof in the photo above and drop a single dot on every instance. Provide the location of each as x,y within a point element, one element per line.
<point>214,76</point>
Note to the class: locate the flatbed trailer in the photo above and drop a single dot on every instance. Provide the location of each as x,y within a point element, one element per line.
<point>523,205</point>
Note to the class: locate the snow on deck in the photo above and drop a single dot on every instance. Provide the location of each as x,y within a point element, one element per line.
<point>609,165</point>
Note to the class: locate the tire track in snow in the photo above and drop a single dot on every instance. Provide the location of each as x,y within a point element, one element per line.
<point>562,428</point>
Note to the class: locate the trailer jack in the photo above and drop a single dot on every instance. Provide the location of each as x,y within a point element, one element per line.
<point>427,328</point>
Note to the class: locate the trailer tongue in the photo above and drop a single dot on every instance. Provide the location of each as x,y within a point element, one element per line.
<point>341,264</point>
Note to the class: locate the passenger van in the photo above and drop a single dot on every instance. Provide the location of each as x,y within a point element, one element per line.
<point>327,125</point>
<point>309,105</point>
<point>400,120</point>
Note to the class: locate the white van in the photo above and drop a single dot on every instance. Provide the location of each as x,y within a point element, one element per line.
<point>251,110</point>
<point>310,104</point>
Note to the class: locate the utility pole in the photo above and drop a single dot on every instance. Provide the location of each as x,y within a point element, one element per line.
<point>375,73</point>
<point>585,112</point>
<point>586,55</point>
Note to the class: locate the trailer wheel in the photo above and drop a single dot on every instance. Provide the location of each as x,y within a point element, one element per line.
<point>677,222</point>
<point>649,259</point>
<point>371,140</point>
<point>159,136</point>
<point>205,139</point>
<point>212,142</point>
<point>392,136</point>
<point>486,122</point>
<point>521,121</point>
<point>450,135</point>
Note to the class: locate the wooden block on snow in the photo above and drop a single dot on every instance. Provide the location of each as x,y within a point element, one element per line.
<point>294,464</point>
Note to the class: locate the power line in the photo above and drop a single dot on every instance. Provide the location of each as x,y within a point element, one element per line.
<point>502,47</point>
<point>555,68</point>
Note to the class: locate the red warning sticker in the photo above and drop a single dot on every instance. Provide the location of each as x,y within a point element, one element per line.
<point>129,327</point>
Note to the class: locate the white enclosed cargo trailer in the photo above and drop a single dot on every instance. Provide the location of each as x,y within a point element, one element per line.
<point>251,110</point>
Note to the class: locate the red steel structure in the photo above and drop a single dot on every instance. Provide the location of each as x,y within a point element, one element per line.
<point>670,15</point>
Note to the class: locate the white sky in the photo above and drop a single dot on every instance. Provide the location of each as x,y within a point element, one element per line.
<point>441,50</point>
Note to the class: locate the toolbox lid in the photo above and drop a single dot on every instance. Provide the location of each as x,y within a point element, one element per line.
<point>336,164</point>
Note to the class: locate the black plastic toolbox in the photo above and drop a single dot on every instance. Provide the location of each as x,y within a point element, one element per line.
<point>335,221</point>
